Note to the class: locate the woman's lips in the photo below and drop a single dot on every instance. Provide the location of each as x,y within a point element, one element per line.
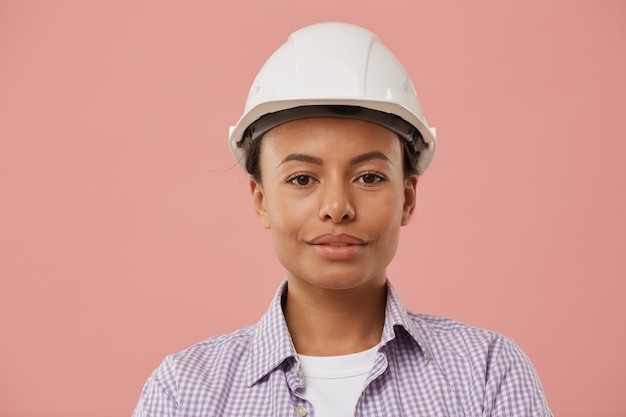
<point>337,247</point>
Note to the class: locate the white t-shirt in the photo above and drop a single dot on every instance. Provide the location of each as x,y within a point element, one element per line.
<point>333,384</point>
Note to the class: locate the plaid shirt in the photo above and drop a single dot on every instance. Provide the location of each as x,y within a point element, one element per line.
<point>426,366</point>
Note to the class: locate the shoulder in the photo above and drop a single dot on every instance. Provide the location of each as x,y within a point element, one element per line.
<point>486,362</point>
<point>454,336</point>
<point>216,359</point>
<point>211,354</point>
<point>199,373</point>
<point>459,348</point>
<point>451,340</point>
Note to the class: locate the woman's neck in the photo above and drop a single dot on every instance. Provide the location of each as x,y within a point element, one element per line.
<point>325,322</point>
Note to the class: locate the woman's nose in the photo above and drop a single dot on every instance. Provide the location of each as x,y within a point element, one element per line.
<point>336,202</point>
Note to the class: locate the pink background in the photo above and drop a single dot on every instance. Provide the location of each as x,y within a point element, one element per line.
<point>127,232</point>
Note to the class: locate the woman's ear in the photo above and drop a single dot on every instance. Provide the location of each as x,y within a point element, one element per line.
<point>410,197</point>
<point>258,199</point>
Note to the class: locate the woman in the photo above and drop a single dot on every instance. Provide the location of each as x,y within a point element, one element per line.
<point>333,139</point>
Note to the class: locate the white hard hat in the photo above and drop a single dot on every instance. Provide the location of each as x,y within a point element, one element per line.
<point>334,70</point>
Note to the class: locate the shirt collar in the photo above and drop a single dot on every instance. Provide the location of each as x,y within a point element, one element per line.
<point>271,343</point>
<point>396,316</point>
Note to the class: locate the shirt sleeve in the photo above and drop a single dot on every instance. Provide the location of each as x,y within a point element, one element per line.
<point>157,398</point>
<point>513,387</point>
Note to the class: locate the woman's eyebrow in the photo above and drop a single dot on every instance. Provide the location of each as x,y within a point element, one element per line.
<point>318,161</point>
<point>302,158</point>
<point>369,156</point>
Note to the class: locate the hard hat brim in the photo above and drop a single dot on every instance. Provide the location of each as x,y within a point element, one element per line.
<point>270,114</point>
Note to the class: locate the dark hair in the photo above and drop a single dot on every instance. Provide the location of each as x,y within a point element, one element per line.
<point>252,151</point>
<point>252,154</point>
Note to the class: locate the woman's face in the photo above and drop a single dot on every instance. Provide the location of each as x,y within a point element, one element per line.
<point>334,195</point>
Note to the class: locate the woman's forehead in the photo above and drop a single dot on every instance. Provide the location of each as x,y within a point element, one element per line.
<point>316,133</point>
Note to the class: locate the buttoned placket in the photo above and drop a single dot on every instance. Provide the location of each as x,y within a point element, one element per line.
<point>380,366</point>
<point>302,407</point>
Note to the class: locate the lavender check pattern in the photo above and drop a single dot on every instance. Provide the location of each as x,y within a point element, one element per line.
<point>426,366</point>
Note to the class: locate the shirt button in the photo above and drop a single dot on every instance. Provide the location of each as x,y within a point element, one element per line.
<point>301,411</point>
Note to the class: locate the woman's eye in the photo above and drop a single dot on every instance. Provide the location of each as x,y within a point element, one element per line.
<point>301,180</point>
<point>370,178</point>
